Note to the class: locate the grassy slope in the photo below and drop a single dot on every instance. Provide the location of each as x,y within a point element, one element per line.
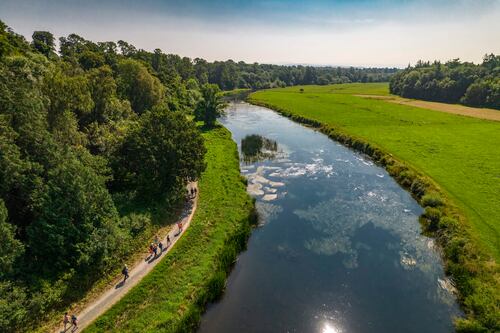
<point>461,154</point>
<point>172,296</point>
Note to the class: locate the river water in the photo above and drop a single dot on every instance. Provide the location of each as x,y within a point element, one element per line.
<point>339,248</point>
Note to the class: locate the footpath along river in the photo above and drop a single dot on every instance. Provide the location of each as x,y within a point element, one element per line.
<point>339,248</point>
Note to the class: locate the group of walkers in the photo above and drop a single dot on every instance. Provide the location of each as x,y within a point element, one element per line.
<point>155,248</point>
<point>193,191</point>
<point>74,322</point>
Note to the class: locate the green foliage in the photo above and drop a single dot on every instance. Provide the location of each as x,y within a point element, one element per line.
<point>452,82</point>
<point>10,248</point>
<point>432,215</point>
<point>43,42</point>
<point>12,306</point>
<point>193,272</point>
<point>136,84</point>
<point>159,155</point>
<point>74,218</point>
<point>431,200</point>
<point>211,105</point>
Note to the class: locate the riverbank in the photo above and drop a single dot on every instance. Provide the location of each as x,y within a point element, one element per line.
<point>173,296</point>
<point>389,134</point>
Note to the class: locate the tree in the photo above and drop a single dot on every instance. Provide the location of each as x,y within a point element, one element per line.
<point>74,217</point>
<point>211,106</point>
<point>160,155</point>
<point>136,84</point>
<point>43,42</point>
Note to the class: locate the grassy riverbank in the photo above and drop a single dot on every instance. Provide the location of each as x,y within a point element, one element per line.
<point>450,163</point>
<point>172,297</point>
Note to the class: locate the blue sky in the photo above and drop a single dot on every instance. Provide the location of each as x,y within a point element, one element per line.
<point>337,32</point>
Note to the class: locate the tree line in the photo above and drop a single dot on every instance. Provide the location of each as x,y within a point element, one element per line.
<point>228,75</point>
<point>452,82</point>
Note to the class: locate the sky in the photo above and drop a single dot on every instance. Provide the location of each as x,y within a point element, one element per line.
<point>316,32</point>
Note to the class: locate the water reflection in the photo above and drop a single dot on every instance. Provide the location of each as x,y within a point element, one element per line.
<point>340,249</point>
<point>255,148</point>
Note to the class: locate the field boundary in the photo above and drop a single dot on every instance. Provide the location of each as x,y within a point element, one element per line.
<point>475,274</point>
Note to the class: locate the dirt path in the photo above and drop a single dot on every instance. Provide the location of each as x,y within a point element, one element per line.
<point>463,110</point>
<point>109,297</point>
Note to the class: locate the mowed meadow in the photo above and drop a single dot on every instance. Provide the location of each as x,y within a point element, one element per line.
<point>461,154</point>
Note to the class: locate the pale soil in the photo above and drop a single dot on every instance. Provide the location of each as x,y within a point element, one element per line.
<point>482,113</point>
<point>90,310</point>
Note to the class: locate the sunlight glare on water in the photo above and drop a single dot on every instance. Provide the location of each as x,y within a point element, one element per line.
<point>330,328</point>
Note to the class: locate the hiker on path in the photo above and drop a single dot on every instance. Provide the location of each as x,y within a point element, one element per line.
<point>179,225</point>
<point>125,273</point>
<point>74,323</point>
<point>156,240</point>
<point>160,245</point>
<point>168,240</point>
<point>65,320</point>
<point>155,250</point>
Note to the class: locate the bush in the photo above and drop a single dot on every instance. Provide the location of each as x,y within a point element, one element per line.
<point>469,326</point>
<point>418,188</point>
<point>431,200</point>
<point>432,215</point>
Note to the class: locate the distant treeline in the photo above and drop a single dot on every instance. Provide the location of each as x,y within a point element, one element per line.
<point>227,75</point>
<point>452,82</point>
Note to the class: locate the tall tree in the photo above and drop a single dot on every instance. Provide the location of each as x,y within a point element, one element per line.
<point>43,41</point>
<point>211,105</point>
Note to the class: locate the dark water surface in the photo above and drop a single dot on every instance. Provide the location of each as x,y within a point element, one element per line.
<point>339,249</point>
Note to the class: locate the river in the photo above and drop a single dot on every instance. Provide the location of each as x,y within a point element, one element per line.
<point>339,246</point>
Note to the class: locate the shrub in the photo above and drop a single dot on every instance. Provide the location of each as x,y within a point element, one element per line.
<point>432,215</point>
<point>463,325</point>
<point>431,200</point>
<point>418,188</point>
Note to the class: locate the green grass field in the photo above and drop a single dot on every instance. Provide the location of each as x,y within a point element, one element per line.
<point>171,298</point>
<point>461,154</point>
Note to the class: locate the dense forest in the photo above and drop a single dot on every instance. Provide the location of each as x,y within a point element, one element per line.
<point>96,141</point>
<point>452,82</point>
<point>91,142</point>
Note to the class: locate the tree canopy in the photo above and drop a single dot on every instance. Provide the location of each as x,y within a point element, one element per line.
<point>452,82</point>
<point>210,106</point>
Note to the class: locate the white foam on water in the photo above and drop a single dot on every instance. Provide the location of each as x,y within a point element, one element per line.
<point>270,197</point>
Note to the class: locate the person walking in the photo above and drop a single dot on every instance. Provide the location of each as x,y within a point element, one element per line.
<point>74,323</point>
<point>156,240</point>
<point>160,245</point>
<point>65,320</point>
<point>125,273</point>
<point>155,250</point>
<point>168,240</point>
<point>179,225</point>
